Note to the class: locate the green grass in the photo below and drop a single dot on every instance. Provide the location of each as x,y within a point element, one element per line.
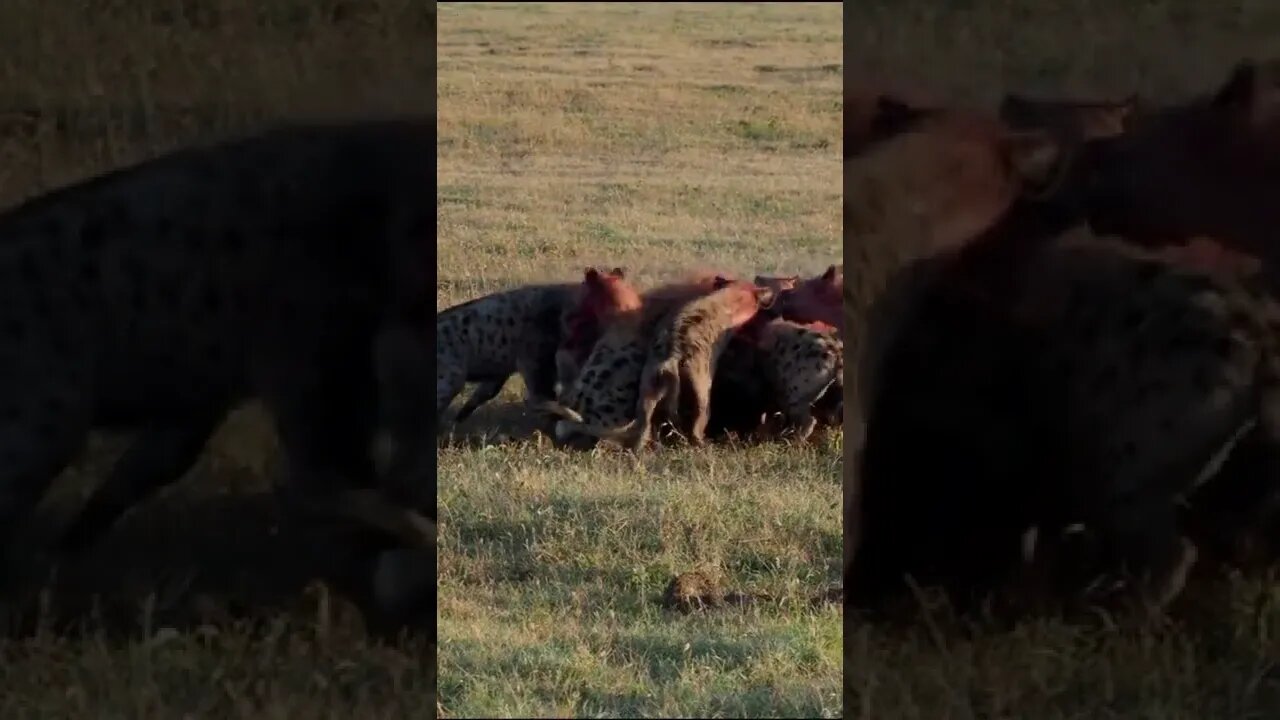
<point>651,137</point>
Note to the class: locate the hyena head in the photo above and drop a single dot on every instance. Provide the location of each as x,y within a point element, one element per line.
<point>606,294</point>
<point>601,296</point>
<point>743,299</point>
<point>817,299</point>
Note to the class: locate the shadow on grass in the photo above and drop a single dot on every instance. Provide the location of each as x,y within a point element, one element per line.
<point>493,422</point>
<point>185,563</point>
<point>633,581</point>
<point>504,422</point>
<point>668,655</point>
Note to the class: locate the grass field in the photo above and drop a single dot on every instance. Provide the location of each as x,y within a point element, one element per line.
<point>1221,662</point>
<point>203,610</point>
<point>660,138</point>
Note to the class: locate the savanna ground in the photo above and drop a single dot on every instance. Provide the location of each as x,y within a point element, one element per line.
<point>1221,662</point>
<point>203,609</point>
<point>660,138</point>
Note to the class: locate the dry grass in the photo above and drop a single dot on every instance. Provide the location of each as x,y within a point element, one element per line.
<point>87,87</point>
<point>659,138</point>
<point>1221,662</point>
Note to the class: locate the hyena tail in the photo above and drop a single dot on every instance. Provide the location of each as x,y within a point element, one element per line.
<point>667,378</point>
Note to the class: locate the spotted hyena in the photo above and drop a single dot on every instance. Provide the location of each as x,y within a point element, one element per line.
<point>804,364</point>
<point>489,339</point>
<point>1117,382</point>
<point>601,401</point>
<point>157,296</point>
<point>686,349</point>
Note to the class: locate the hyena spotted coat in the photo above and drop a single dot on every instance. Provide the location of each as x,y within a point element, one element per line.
<point>489,339</point>
<point>157,296</point>
<point>804,364</point>
<point>601,400</point>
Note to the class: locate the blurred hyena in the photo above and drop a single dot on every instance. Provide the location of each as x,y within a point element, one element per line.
<point>290,265</point>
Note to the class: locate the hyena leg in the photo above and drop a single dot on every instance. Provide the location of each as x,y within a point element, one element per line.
<point>45,418</point>
<point>158,457</point>
<point>566,369</point>
<point>540,378</point>
<point>655,386</point>
<point>800,410</point>
<point>800,416</point>
<point>698,377</point>
<point>325,415</point>
<point>451,377</point>
<point>1143,535</point>
<point>1227,515</point>
<point>484,392</point>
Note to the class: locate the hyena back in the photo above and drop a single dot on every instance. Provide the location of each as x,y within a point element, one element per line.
<point>158,296</point>
<point>489,339</point>
<point>686,350</point>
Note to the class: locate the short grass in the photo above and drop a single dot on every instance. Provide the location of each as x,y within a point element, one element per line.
<point>203,610</point>
<point>661,138</point>
<point>1222,661</point>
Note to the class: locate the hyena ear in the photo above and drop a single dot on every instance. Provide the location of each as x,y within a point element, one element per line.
<point>720,282</point>
<point>591,276</point>
<point>829,275</point>
<point>619,273</point>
